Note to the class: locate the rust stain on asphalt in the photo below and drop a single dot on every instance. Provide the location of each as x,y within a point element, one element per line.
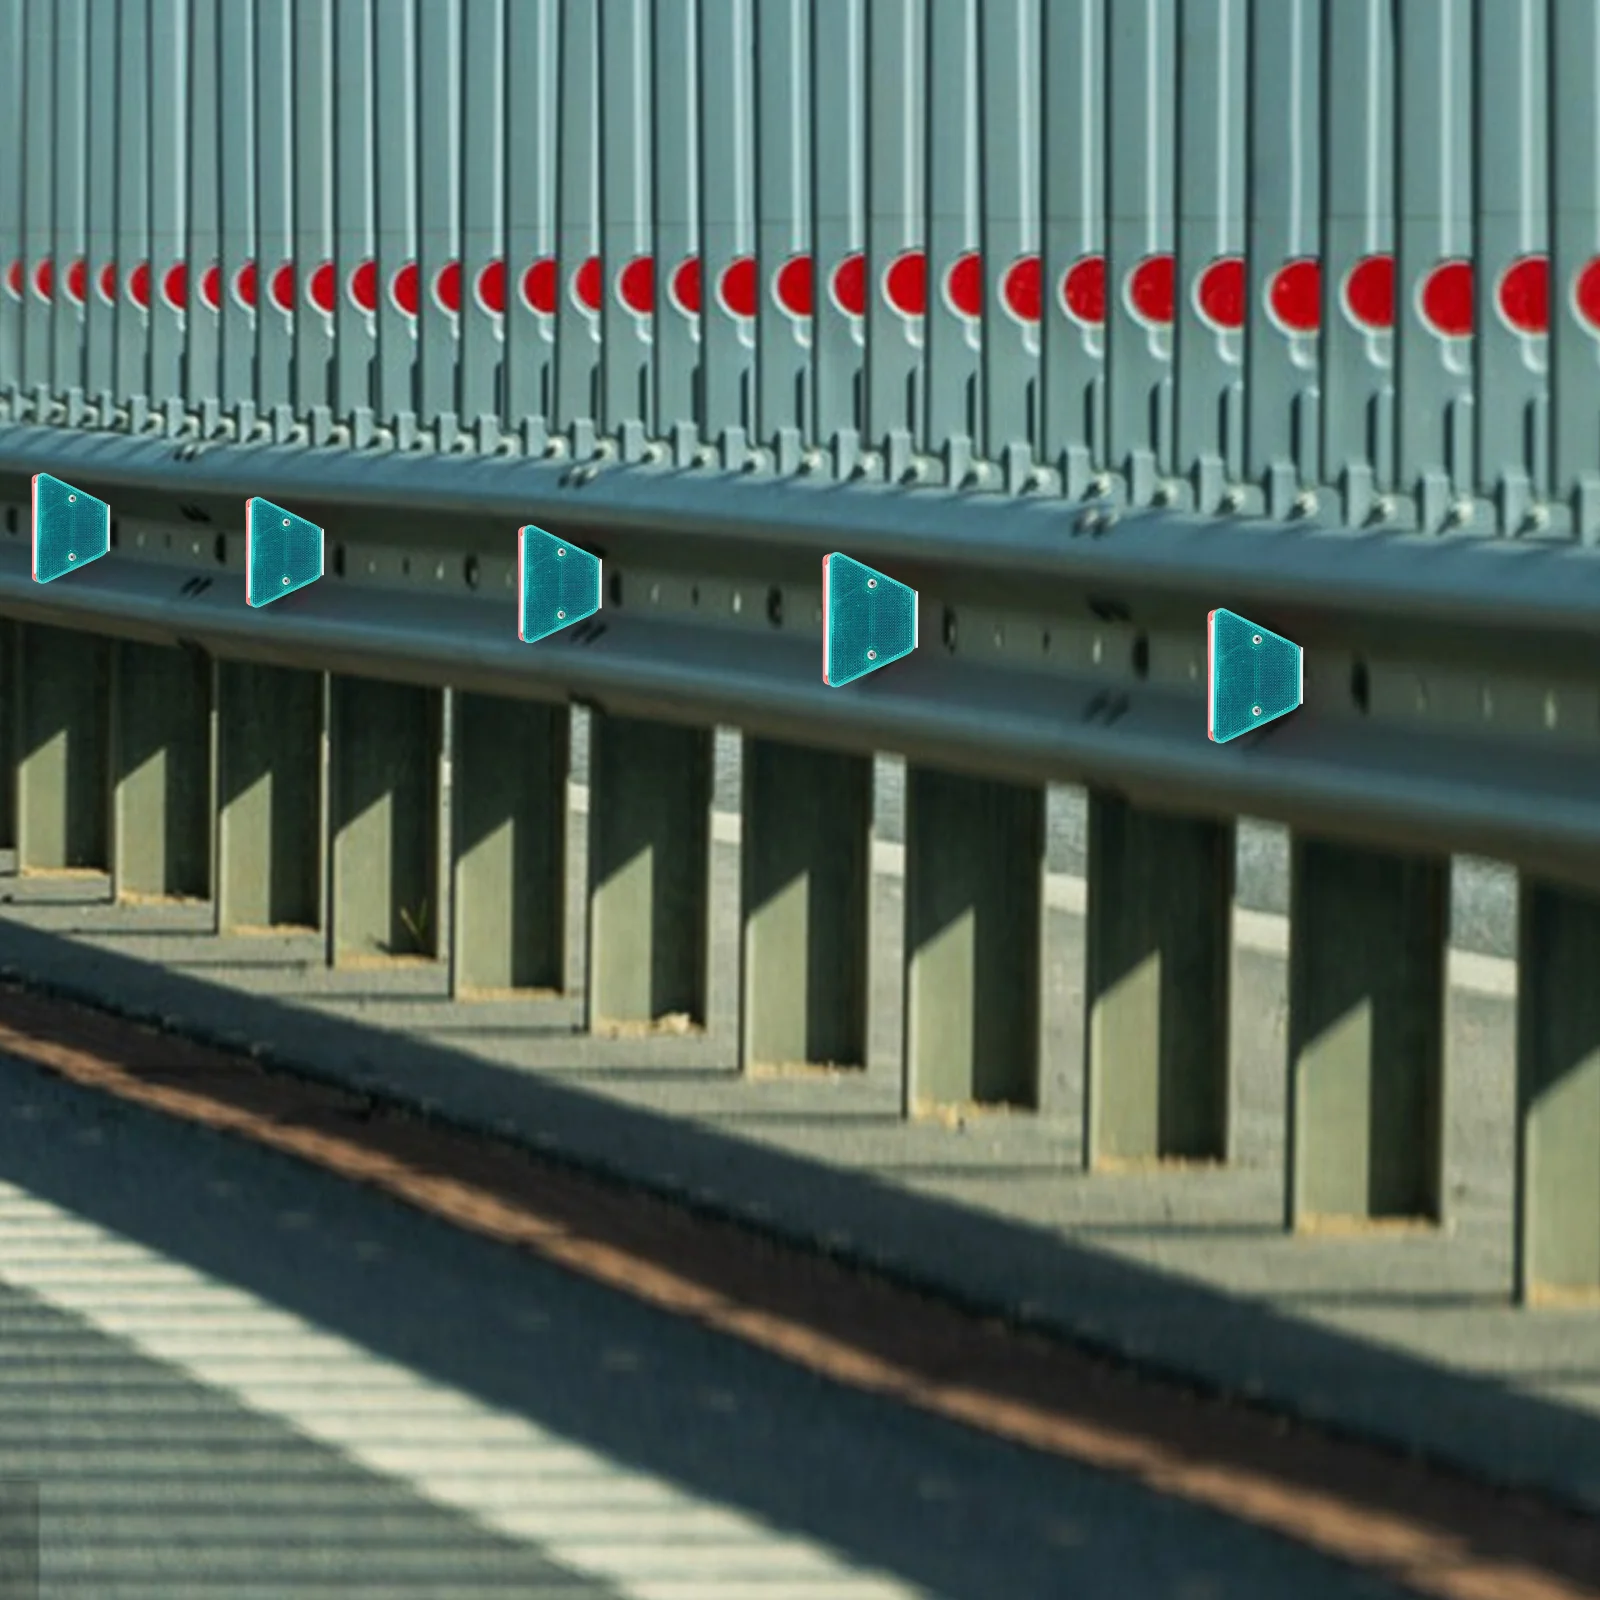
<point>1420,1526</point>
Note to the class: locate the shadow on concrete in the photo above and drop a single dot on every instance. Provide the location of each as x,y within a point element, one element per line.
<point>1159,1321</point>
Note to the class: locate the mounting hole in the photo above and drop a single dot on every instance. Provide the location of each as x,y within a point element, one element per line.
<point>1141,656</point>
<point>72,555</point>
<point>1255,711</point>
<point>286,581</point>
<point>872,655</point>
<point>219,548</point>
<point>72,499</point>
<point>561,616</point>
<point>286,522</point>
<point>561,550</point>
<point>614,584</point>
<point>947,630</point>
<point>469,570</point>
<point>1360,686</point>
<point>872,583</point>
<point>1255,638</point>
<point>338,561</point>
<point>116,532</point>
<point>405,566</point>
<point>775,606</point>
<point>694,594</point>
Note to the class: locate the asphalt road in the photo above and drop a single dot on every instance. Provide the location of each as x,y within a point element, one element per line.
<point>232,1374</point>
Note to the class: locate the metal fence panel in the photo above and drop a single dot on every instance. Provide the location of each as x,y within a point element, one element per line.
<point>953,328</point>
<point>315,155</point>
<point>397,288</point>
<point>236,92</point>
<point>627,308</point>
<point>729,272</point>
<point>1210,298</point>
<point>38,198</point>
<point>1358,414</point>
<point>483,265</point>
<point>1433,259</point>
<point>169,165</point>
<point>439,92</point>
<point>896,280</point>
<point>1141,83</point>
<point>838,226</point>
<point>202,242</point>
<point>13,112</point>
<point>1574,51</point>
<point>132,272</point>
<point>785,290</point>
<point>532,58</point>
<point>1009,269</point>
<point>580,274</point>
<point>1283,423</point>
<point>275,266</point>
<point>1073,123</point>
<point>355,275</point>
<point>69,216</point>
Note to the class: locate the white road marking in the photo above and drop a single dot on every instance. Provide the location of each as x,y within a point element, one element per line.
<point>647,1538</point>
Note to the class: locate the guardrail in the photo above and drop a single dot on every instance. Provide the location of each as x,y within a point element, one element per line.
<point>716,288</point>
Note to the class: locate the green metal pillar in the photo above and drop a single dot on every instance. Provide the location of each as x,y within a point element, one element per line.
<point>806,879</point>
<point>1368,933</point>
<point>160,772</point>
<point>1558,1097</point>
<point>974,923</point>
<point>385,750</point>
<point>62,698</point>
<point>268,743</point>
<point>649,871</point>
<point>1156,1004</point>
<point>508,800</point>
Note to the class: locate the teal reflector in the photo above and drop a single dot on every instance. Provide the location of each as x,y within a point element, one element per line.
<point>868,620</point>
<point>70,528</point>
<point>282,552</point>
<point>1254,675</point>
<point>557,583</point>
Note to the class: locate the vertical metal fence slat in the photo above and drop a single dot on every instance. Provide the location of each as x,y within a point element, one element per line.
<point>1358,394</point>
<point>1010,88</point>
<point>395,107</point>
<point>838,226</point>
<point>1510,255</point>
<point>675,237</point>
<point>100,217</point>
<point>354,219</point>
<point>1073,126</point>
<point>68,217</point>
<point>896,77</point>
<point>1433,199</point>
<point>439,90</point>
<point>578,229</point>
<point>202,243</point>
<point>133,219</point>
<point>314,158</point>
<point>276,272</point>
<point>1141,81</point>
<point>727,226</point>
<point>783,228</point>
<point>38,199</point>
<point>12,252</point>
<point>1574,282</point>
<point>169,48</point>
<point>626,213</point>
<point>483,282</point>
<point>1210,298</point>
<point>1283,426</point>
<point>532,58</point>
<point>236,95</point>
<point>952,419</point>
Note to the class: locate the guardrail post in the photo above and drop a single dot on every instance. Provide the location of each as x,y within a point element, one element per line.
<point>806,865</point>
<point>61,728</point>
<point>974,914</point>
<point>1156,998</point>
<point>160,772</point>
<point>649,878</point>
<point>508,805</point>
<point>1367,942</point>
<point>1558,1096</point>
<point>385,745</point>
<point>270,789</point>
